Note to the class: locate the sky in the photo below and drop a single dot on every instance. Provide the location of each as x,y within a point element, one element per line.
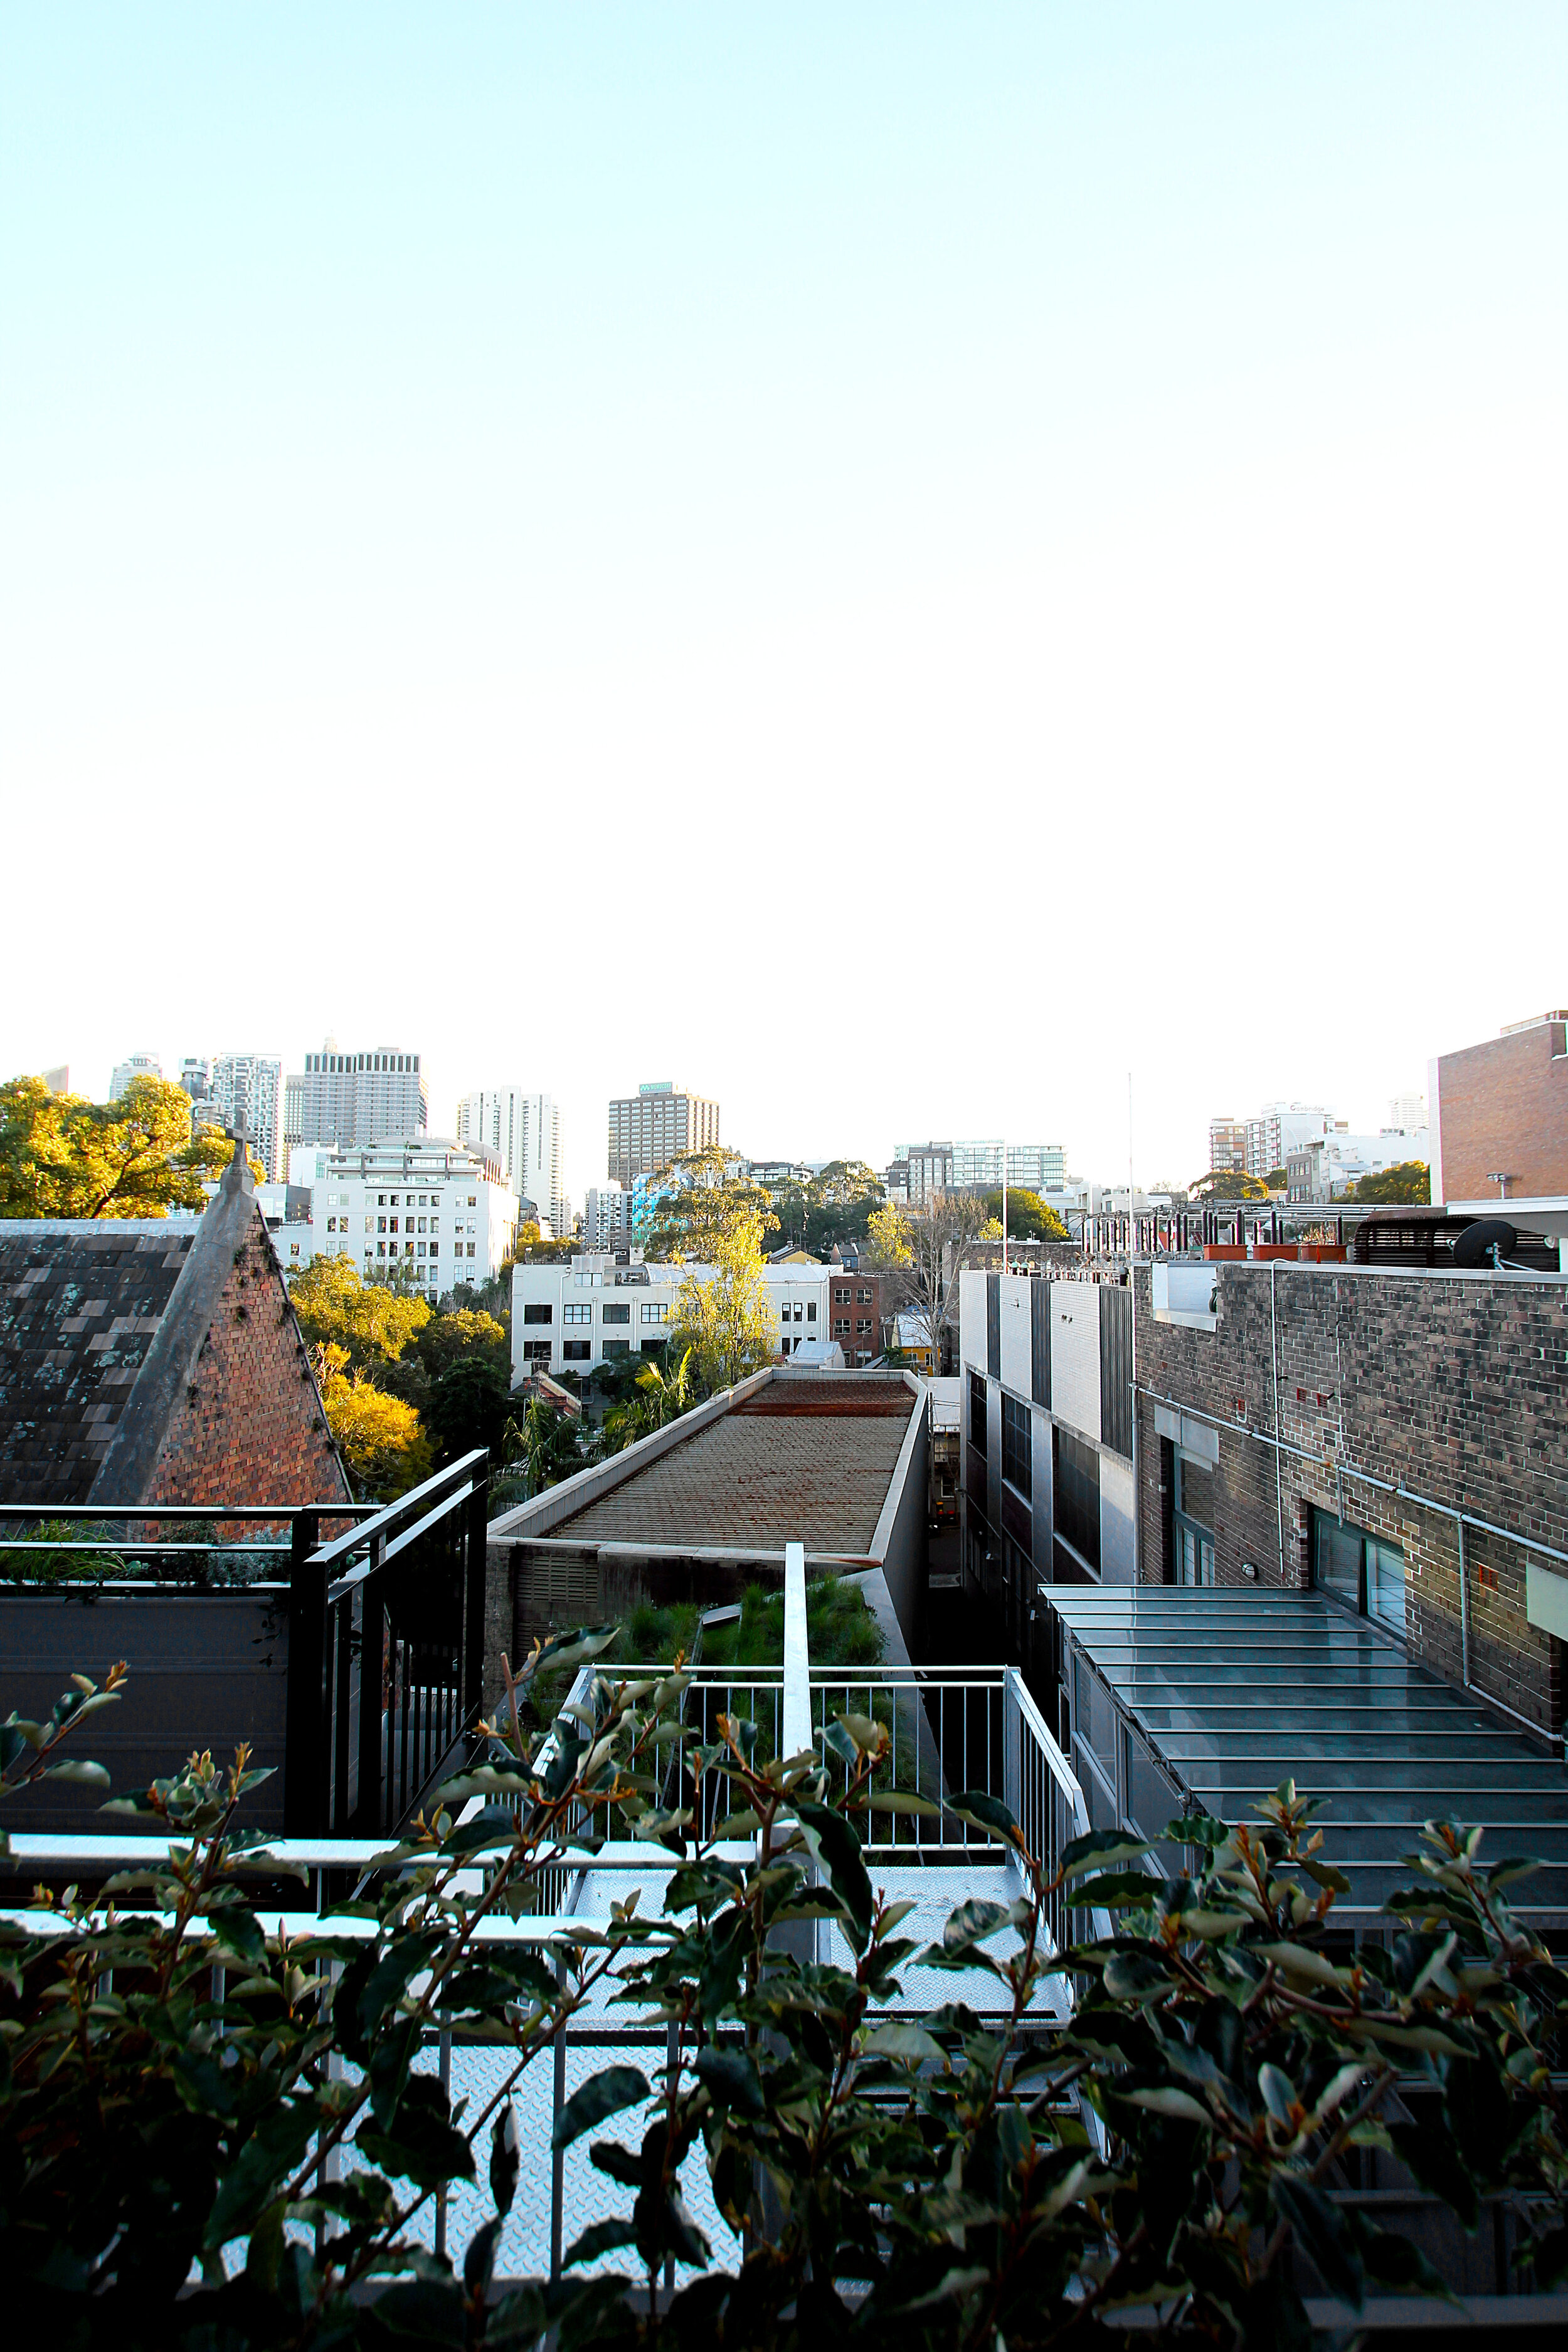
<point>897,566</point>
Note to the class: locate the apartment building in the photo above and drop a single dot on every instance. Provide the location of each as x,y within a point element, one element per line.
<point>352,1100</point>
<point>602,1304</point>
<point>1330,1167</point>
<point>524,1132</point>
<point>248,1087</point>
<point>606,1216</point>
<point>918,1171</point>
<point>1031,1167</point>
<point>659,1123</point>
<point>1259,1145</point>
<point>420,1210</point>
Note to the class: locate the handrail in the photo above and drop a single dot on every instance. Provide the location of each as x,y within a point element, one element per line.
<point>442,1485</point>
<point>1061,1771</point>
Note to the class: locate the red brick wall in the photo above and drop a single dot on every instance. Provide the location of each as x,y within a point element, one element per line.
<point>251,1427</point>
<point>1455,1388</point>
<point>1503,1107</point>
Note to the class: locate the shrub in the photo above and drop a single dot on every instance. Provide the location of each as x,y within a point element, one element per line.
<point>958,2181</point>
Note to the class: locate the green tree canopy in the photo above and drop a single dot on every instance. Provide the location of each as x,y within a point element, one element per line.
<point>62,1156</point>
<point>713,1203</point>
<point>1229,1184</point>
<point>1410,1180</point>
<point>1029,1219</point>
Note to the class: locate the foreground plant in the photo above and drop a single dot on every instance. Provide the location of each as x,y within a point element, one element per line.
<point>267,2134</point>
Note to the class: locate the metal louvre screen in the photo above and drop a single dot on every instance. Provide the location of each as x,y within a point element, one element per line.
<point>993,1325</point>
<point>1040,1343</point>
<point>1116,1369</point>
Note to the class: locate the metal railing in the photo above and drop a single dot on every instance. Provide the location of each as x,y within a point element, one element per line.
<point>372,1695</point>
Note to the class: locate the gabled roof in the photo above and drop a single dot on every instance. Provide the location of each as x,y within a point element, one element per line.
<point>80,1304</point>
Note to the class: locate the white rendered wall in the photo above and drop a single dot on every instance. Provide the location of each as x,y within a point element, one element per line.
<point>1075,1354</point>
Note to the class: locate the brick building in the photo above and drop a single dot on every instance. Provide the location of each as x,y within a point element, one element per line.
<point>1499,1121</point>
<point>1396,1440</point>
<point>153,1360</point>
<point>857,1311</point>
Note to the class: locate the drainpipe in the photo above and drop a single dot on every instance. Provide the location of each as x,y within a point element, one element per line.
<point>1464,1605</point>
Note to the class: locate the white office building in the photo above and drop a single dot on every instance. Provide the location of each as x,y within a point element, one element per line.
<point>422,1210</point>
<point>352,1100</point>
<point>606,1216</point>
<point>523,1131</point>
<point>249,1087</point>
<point>135,1065</point>
<point>602,1304</point>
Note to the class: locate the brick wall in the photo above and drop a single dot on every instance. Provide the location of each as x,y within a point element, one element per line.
<point>1503,1108</point>
<point>251,1427</point>
<point>1453,1387</point>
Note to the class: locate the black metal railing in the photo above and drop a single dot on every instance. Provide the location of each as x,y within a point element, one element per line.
<point>360,1656</point>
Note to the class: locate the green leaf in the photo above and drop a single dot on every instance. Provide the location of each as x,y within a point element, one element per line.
<point>240,1932</point>
<point>985,1812</point>
<point>605,2093</point>
<point>608,2156</point>
<point>1438,2164</point>
<point>1134,1976</point>
<point>252,2181</point>
<point>422,2144</point>
<point>1321,2232</point>
<point>78,1773</point>
<point>901,1801</point>
<point>1512,1867</point>
<point>909,2044</point>
<point>1166,2100</point>
<point>731,2080</point>
<point>834,1844</point>
<point>1100,1850</point>
<point>506,2159</point>
<point>599,2238</point>
<point>1279,2092</point>
<point>428,2309</point>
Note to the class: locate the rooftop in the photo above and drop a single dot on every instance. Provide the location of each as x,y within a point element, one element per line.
<point>794,1461</point>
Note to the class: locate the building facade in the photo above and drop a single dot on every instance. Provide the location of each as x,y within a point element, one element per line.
<point>606,1216</point>
<point>524,1132</point>
<point>659,1123</point>
<point>1031,1167</point>
<point>1262,1144</point>
<point>135,1065</point>
<point>917,1172</point>
<point>1332,1166</point>
<point>600,1304</point>
<point>248,1087</point>
<point>352,1099</point>
<point>1499,1121</point>
<point>421,1211</point>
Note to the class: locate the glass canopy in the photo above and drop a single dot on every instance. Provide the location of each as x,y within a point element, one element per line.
<point>1207,1699</point>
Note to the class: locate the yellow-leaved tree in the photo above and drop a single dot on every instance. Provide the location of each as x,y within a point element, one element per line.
<point>887,1238</point>
<point>372,1324</point>
<point>385,1450</point>
<point>62,1156</point>
<point>723,1314</point>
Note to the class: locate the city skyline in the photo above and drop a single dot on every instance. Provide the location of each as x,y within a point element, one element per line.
<point>1113,492</point>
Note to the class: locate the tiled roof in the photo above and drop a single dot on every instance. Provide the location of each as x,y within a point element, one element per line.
<point>800,1463</point>
<point>78,1307</point>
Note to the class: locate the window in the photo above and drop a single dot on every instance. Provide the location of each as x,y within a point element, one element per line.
<point>575,1352</point>
<point>380,1224</point>
<point>473,1199</point>
<point>1076,1496</point>
<point>1193,1521</point>
<point>841,1327</point>
<point>614,1314</point>
<point>862,1298</point>
<point>977,1413</point>
<point>655,1313</point>
<point>810,1311</point>
<point>841,1297</point>
<point>422,1223</point>
<point>863,1327</point>
<point>1016,1462</point>
<point>392,1227</point>
<point>536,1351</point>
<point>618,1346</point>
<point>572,1314</point>
<point>1360,1570</point>
<point>534,1313</point>
<point>470,1249</point>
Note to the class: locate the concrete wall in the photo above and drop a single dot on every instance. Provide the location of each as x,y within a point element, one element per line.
<point>899,1542</point>
<point>1075,1356</point>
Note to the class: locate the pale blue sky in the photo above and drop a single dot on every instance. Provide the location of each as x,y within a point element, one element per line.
<point>500,503</point>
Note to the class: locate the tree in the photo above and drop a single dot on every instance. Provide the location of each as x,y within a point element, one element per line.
<point>470,1404</point>
<point>886,1243</point>
<point>710,1204</point>
<point>1229,1184</point>
<point>372,1324</point>
<point>1409,1180</point>
<point>937,1235</point>
<point>1029,1219</point>
<point>379,1436</point>
<point>724,1317</point>
<point>458,1333</point>
<point>657,1400</point>
<point>62,1156</point>
<point>545,1440</point>
<point>1277,1180</point>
